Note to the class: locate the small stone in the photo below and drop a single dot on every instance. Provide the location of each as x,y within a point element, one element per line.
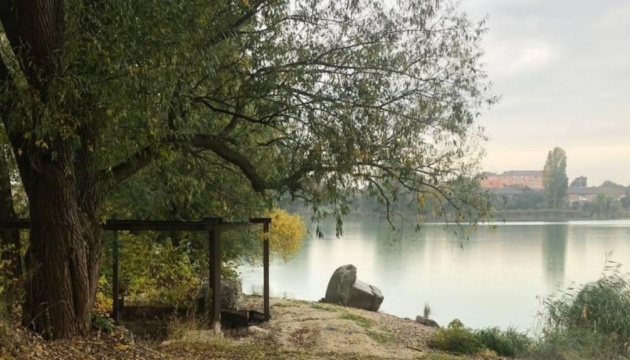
<point>257,330</point>
<point>426,321</point>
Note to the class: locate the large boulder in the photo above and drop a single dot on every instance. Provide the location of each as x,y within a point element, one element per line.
<point>364,296</point>
<point>338,290</point>
<point>345,289</point>
<point>231,294</point>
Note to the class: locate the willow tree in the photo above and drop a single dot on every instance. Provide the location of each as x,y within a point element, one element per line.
<point>312,98</point>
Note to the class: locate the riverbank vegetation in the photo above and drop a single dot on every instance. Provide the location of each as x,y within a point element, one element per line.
<point>587,322</point>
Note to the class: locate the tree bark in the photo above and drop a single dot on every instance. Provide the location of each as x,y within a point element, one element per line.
<point>63,259</point>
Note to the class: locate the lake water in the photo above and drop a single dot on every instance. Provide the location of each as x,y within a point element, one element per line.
<point>496,278</point>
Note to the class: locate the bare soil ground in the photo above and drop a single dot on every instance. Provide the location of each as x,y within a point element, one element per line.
<point>328,329</point>
<point>297,330</point>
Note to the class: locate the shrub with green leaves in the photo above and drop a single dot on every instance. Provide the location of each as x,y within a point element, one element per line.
<point>101,323</point>
<point>505,343</point>
<point>456,339</point>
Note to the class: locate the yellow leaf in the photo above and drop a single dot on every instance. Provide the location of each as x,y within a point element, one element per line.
<point>122,347</point>
<point>285,233</point>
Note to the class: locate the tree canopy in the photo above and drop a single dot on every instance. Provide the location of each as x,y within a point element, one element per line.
<point>221,100</point>
<point>580,181</point>
<point>555,180</point>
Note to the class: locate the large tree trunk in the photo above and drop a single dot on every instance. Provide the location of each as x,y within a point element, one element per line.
<point>62,263</point>
<point>64,255</point>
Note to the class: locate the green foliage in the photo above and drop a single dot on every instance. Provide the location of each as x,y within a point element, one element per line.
<point>103,304</point>
<point>188,108</point>
<point>526,200</point>
<point>580,181</point>
<point>625,201</point>
<point>457,340</point>
<point>604,206</point>
<point>505,343</point>
<point>304,116</point>
<point>158,269</point>
<point>157,273</point>
<point>101,323</point>
<point>555,178</point>
<point>574,344</point>
<point>594,318</point>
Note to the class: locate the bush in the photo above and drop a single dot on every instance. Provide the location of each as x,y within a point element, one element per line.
<point>456,339</point>
<point>153,272</point>
<point>504,343</point>
<point>102,323</point>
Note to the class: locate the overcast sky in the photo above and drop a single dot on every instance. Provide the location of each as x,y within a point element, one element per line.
<point>562,68</point>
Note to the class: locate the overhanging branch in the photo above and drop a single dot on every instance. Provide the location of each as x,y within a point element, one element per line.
<point>218,146</point>
<point>133,164</point>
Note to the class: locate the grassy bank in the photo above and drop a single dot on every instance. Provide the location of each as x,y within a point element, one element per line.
<point>588,322</point>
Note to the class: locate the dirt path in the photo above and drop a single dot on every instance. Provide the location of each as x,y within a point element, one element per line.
<point>324,329</point>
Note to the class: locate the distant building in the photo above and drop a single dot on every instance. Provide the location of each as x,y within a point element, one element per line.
<point>589,194</point>
<point>532,179</point>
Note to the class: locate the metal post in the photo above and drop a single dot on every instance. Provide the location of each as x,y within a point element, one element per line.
<point>115,285</point>
<point>266,271</point>
<point>214,274</point>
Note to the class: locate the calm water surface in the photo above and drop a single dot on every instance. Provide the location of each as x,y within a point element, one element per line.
<point>494,279</point>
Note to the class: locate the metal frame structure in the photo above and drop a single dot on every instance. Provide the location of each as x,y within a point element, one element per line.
<point>213,226</point>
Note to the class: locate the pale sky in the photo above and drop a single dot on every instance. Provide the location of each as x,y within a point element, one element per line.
<point>562,68</point>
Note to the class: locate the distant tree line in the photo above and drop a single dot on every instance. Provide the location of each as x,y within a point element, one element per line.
<point>596,202</point>
<point>514,201</point>
<point>604,205</point>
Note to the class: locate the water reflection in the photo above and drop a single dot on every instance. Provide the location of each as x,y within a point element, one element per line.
<point>554,252</point>
<point>493,281</point>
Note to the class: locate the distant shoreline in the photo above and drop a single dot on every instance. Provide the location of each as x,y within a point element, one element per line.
<point>503,216</point>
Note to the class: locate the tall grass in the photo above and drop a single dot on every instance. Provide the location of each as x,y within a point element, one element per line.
<point>587,322</point>
<point>458,339</point>
<point>602,306</point>
<point>508,342</point>
<point>592,321</point>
